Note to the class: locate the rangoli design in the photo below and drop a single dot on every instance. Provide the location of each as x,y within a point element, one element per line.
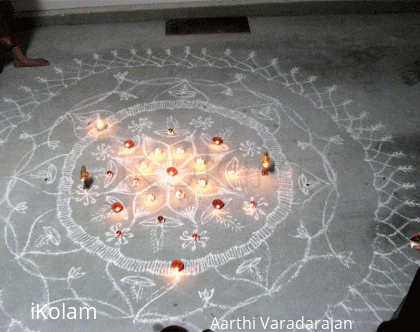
<point>69,244</point>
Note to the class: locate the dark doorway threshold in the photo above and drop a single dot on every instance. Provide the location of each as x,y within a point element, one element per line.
<point>206,25</point>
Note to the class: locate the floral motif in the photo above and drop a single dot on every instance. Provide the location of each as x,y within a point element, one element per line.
<point>87,195</point>
<point>119,239</point>
<point>255,211</point>
<point>202,123</point>
<point>250,148</point>
<point>104,152</point>
<point>138,127</point>
<point>188,240</point>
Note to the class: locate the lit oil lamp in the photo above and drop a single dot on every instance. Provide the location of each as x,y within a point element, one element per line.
<point>136,181</point>
<point>265,161</point>
<point>128,143</point>
<point>195,236</point>
<point>118,233</point>
<point>172,171</point>
<point>161,219</point>
<point>170,131</point>
<point>143,165</point>
<point>232,172</point>
<point>158,151</point>
<point>84,174</point>
<point>100,125</point>
<point>109,174</point>
<point>218,204</point>
<point>180,194</point>
<point>117,207</point>
<point>150,197</point>
<point>177,265</point>
<point>200,161</point>
<point>253,204</point>
<point>217,140</point>
<point>415,241</point>
<point>202,182</point>
<point>180,151</point>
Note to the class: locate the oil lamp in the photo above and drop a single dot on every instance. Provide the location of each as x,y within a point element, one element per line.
<point>100,125</point>
<point>265,161</point>
<point>253,204</point>
<point>136,181</point>
<point>202,182</point>
<point>158,151</point>
<point>143,165</point>
<point>117,207</point>
<point>84,174</point>
<point>217,140</point>
<point>170,131</point>
<point>177,265</point>
<point>200,161</point>
<point>172,171</point>
<point>232,172</point>
<point>195,236</point>
<point>109,174</point>
<point>150,197</point>
<point>128,143</point>
<point>218,204</point>
<point>180,194</point>
<point>161,219</point>
<point>180,150</point>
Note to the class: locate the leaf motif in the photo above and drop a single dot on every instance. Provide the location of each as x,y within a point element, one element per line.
<point>52,171</point>
<point>21,207</point>
<point>111,199</point>
<point>52,235</point>
<point>113,168</point>
<point>53,144</point>
<point>207,140</point>
<point>336,139</point>
<point>172,123</point>
<point>302,233</point>
<point>233,180</point>
<point>158,233</point>
<point>248,264</point>
<point>127,96</point>
<point>263,114</point>
<point>122,188</point>
<point>74,273</point>
<point>303,184</point>
<point>207,215</point>
<point>24,135</point>
<point>189,212</point>
<point>137,292</point>
<point>345,258</point>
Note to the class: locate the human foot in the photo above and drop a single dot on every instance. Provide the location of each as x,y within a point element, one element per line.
<point>19,63</point>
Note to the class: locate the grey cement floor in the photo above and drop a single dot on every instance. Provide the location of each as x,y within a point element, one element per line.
<point>328,238</point>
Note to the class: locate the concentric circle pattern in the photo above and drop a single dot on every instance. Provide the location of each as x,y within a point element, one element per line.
<point>312,238</point>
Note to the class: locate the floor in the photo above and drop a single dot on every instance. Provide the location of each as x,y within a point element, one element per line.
<point>332,99</point>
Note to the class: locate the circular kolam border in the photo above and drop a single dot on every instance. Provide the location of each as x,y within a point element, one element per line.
<point>193,266</point>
